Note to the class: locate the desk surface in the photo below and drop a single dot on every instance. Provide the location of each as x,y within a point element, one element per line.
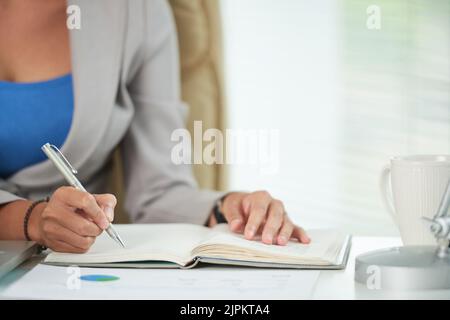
<point>331,284</point>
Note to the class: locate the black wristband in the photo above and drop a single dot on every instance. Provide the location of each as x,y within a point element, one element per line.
<point>220,218</point>
<point>26,219</point>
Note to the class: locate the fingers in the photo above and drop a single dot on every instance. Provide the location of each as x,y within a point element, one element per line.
<point>60,246</point>
<point>55,233</point>
<point>71,220</point>
<point>259,213</point>
<point>274,221</point>
<point>301,235</point>
<point>255,205</point>
<point>84,201</point>
<point>234,214</point>
<point>107,203</point>
<point>285,232</point>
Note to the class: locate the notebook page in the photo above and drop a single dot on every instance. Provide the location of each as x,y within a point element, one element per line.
<point>324,247</point>
<point>144,242</point>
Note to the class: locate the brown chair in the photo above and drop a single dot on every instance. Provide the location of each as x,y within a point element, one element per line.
<point>200,42</point>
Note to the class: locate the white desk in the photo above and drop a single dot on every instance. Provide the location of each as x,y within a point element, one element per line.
<point>330,284</point>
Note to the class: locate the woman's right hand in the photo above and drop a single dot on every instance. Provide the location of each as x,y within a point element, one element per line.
<point>72,219</point>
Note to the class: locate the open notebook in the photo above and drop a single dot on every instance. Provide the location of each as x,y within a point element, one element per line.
<point>185,245</point>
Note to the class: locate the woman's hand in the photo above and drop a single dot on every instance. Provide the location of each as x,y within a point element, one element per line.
<point>72,220</point>
<point>257,213</point>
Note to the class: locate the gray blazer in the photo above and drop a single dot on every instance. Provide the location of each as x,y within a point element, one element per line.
<point>127,91</point>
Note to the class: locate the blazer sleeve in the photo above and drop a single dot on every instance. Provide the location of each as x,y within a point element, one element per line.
<point>8,192</point>
<point>157,190</point>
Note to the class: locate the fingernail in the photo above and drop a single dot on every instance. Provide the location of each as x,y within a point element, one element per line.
<point>268,238</point>
<point>104,224</point>
<point>235,224</point>
<point>282,240</point>
<point>251,232</point>
<point>109,211</point>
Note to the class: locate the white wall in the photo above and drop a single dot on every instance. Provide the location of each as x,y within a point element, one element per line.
<point>286,70</point>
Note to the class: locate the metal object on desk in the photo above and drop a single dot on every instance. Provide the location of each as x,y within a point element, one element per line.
<point>411,267</point>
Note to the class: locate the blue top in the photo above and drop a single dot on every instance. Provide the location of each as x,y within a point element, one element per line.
<point>31,114</point>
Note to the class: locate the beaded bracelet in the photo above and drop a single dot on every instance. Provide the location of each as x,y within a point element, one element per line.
<point>28,214</point>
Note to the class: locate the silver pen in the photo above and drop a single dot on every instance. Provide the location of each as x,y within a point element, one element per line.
<point>69,173</point>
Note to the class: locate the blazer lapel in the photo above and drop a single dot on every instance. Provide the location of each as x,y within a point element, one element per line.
<point>96,60</point>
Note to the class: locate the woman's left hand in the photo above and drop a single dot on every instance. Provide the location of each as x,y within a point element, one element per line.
<point>257,213</point>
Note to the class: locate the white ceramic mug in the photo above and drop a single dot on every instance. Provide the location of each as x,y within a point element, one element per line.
<point>417,185</point>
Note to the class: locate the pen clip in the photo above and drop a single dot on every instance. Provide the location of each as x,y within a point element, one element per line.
<point>63,158</point>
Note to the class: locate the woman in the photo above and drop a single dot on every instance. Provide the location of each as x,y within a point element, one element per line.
<point>116,80</point>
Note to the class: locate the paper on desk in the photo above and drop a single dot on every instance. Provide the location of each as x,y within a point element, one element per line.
<point>51,282</point>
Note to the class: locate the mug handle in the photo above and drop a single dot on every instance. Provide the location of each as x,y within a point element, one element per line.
<point>386,194</point>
